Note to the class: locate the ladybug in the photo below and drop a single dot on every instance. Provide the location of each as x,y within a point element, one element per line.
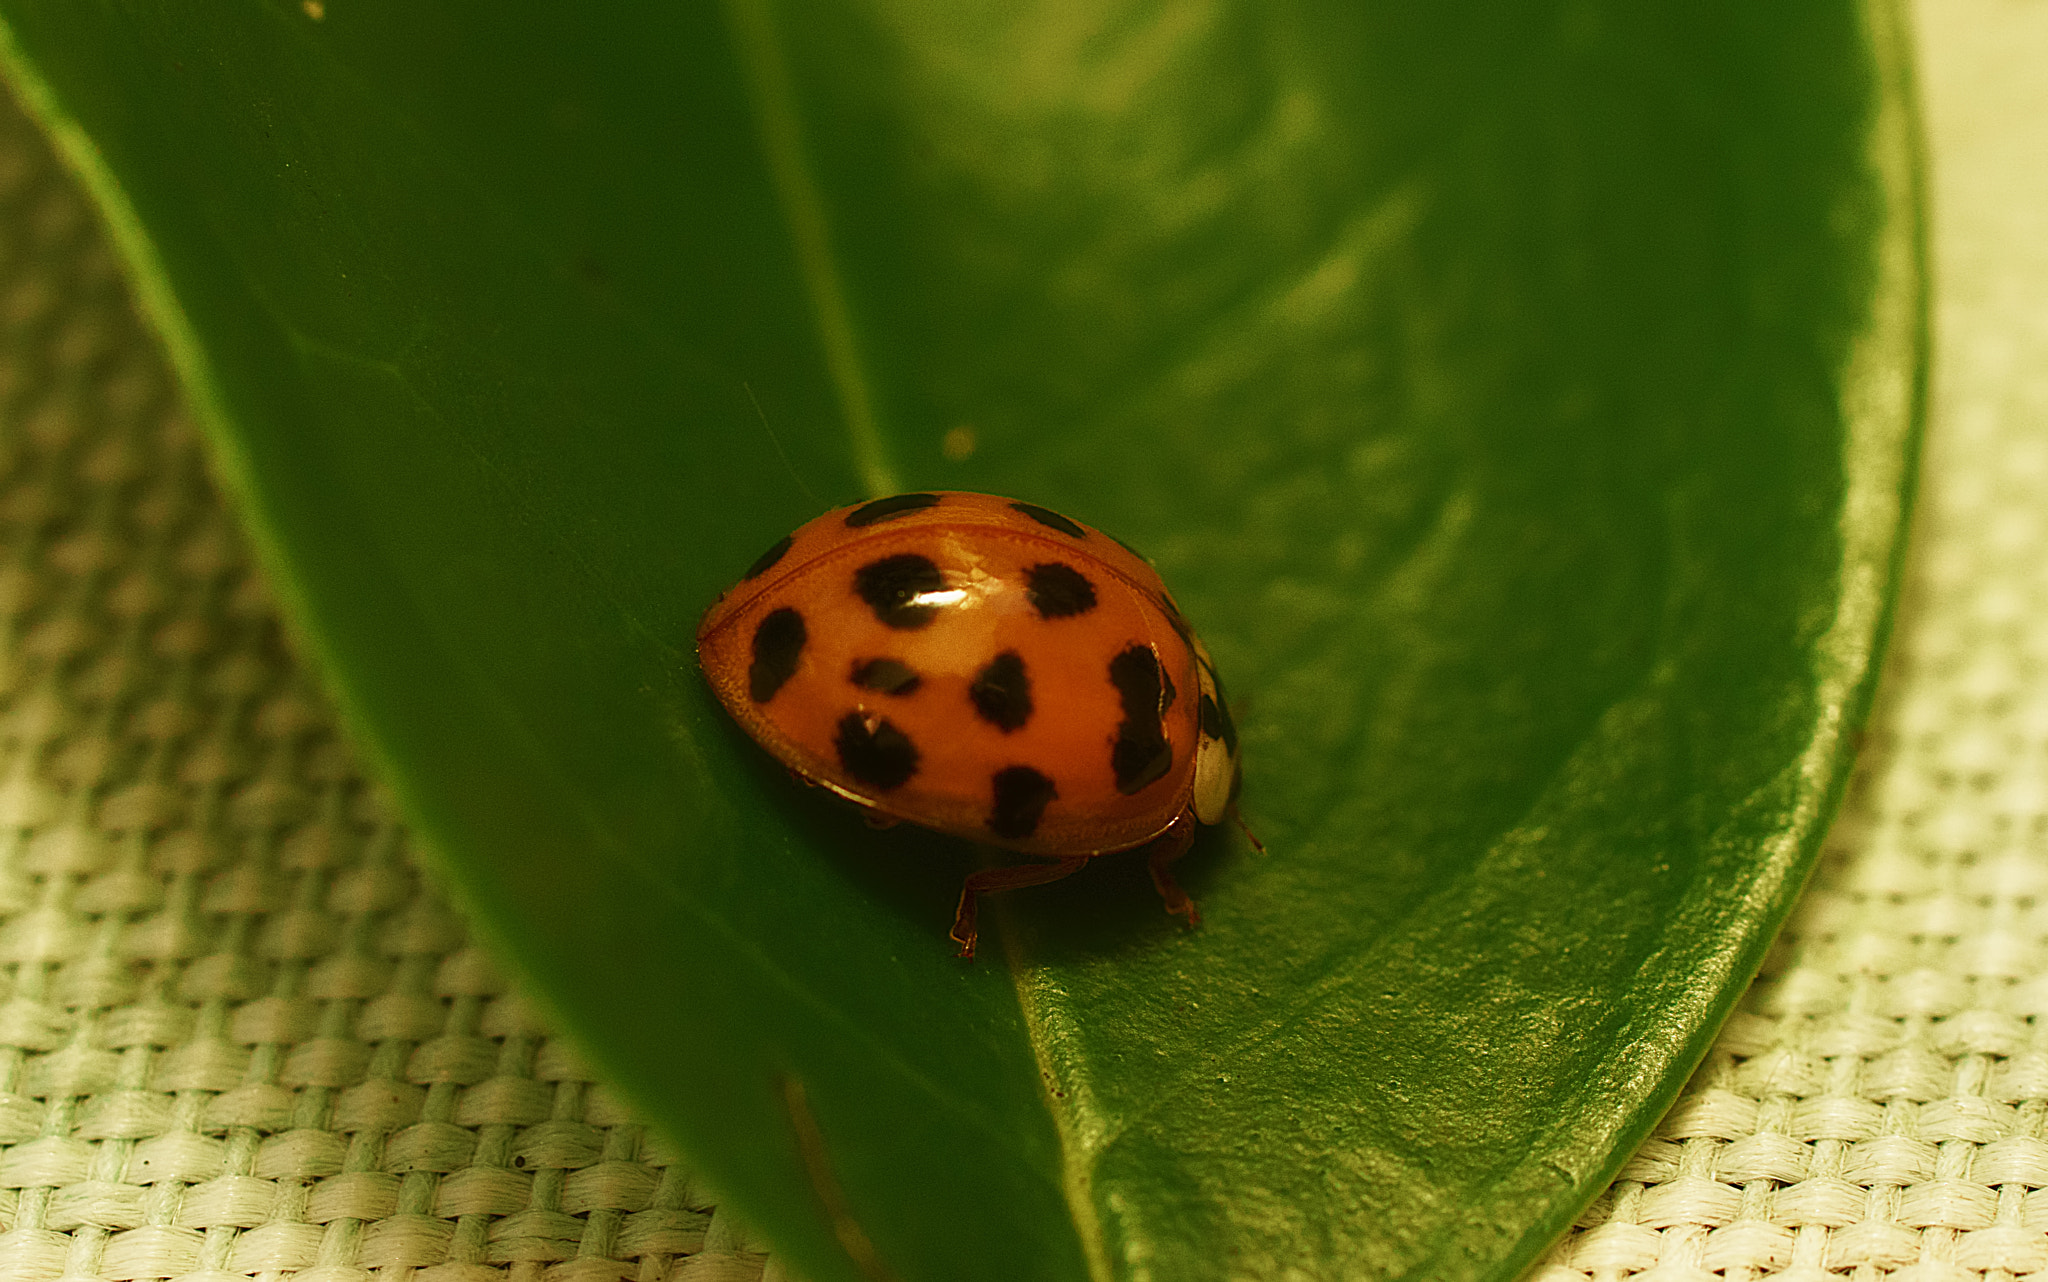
<point>986,668</point>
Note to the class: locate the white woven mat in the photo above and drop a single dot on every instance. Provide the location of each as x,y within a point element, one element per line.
<point>238,1038</point>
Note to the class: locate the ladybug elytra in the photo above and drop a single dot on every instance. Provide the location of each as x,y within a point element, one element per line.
<point>986,668</point>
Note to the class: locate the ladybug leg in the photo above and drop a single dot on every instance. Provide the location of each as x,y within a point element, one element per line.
<point>1246,829</point>
<point>990,879</point>
<point>1165,850</point>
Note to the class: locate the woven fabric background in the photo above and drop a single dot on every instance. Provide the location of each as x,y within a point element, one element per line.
<point>240,1038</point>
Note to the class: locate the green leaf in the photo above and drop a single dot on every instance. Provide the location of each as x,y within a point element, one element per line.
<point>1520,396</point>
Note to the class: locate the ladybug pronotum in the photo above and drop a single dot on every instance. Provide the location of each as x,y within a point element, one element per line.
<point>985,668</point>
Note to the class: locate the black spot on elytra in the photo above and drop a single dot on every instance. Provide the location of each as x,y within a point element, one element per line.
<point>767,560</point>
<point>1059,591</point>
<point>892,586</point>
<point>886,675</point>
<point>778,644</point>
<point>1141,753</point>
<point>1002,692</point>
<point>883,509</point>
<point>880,756</point>
<point>1021,797</point>
<point>1050,519</point>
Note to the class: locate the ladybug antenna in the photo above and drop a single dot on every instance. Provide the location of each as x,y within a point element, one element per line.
<point>1245,828</point>
<point>777,443</point>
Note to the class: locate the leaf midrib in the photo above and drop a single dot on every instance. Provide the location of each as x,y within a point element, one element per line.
<point>776,117</point>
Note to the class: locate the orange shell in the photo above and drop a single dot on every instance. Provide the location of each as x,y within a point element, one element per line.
<point>985,550</point>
